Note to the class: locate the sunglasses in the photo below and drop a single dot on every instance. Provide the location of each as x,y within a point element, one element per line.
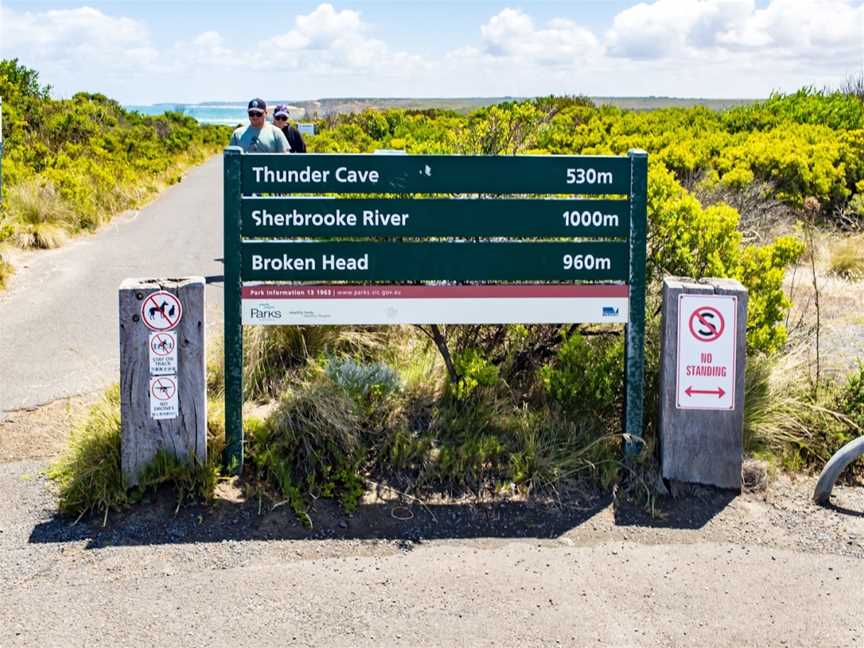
<point>255,113</point>
<point>281,118</point>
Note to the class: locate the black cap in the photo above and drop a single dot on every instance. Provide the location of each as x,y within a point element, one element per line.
<point>257,104</point>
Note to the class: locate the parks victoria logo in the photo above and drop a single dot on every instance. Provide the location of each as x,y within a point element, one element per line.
<point>265,311</point>
<point>610,311</point>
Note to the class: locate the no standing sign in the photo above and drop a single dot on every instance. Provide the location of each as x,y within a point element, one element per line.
<point>706,352</point>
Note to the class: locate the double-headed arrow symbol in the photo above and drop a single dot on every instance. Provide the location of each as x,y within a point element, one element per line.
<point>719,391</point>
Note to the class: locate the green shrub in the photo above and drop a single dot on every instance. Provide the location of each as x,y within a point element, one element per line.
<point>687,240</point>
<point>474,371</point>
<point>587,377</point>
<point>761,269</point>
<point>70,165</point>
<point>850,400</point>
<point>837,109</point>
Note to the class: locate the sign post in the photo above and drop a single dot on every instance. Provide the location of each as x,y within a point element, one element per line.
<point>163,403</point>
<point>702,372</point>
<point>554,252</point>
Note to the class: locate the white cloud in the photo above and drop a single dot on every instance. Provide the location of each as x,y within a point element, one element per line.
<point>325,42</point>
<point>802,29</point>
<point>71,38</point>
<point>682,47</point>
<point>333,42</point>
<point>326,26</point>
<point>207,48</point>
<point>512,33</point>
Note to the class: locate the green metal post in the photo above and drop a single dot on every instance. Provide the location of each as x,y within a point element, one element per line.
<point>233,459</point>
<point>634,406</point>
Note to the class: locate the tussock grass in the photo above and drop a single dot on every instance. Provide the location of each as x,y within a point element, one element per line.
<point>554,450</point>
<point>89,475</point>
<point>420,367</point>
<point>274,355</point>
<point>790,422</point>
<point>40,216</point>
<point>311,444</point>
<point>847,258</point>
<point>487,445</point>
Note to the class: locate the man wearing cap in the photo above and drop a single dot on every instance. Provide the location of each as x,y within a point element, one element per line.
<point>295,139</point>
<point>259,136</point>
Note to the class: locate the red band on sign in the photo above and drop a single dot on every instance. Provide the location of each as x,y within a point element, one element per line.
<point>526,291</point>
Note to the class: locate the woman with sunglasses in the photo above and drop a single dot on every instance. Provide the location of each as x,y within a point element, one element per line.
<point>295,139</point>
<point>260,136</point>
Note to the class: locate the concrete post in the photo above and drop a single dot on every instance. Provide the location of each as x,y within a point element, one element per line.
<point>704,352</point>
<point>163,399</point>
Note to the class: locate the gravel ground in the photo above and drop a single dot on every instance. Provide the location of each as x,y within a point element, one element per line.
<point>708,569</point>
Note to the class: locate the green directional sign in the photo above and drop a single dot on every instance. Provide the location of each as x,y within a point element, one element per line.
<point>540,174</point>
<point>355,261</point>
<point>398,202</point>
<point>382,217</point>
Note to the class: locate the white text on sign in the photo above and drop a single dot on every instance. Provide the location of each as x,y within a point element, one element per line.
<point>328,262</point>
<point>308,175</point>
<point>706,352</point>
<point>295,218</point>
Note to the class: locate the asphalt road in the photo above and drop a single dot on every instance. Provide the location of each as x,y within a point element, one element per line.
<point>58,319</point>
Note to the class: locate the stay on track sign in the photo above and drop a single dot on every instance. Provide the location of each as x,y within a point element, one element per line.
<point>426,239</point>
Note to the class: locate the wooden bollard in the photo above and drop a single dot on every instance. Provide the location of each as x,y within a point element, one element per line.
<point>163,398</point>
<point>704,353</point>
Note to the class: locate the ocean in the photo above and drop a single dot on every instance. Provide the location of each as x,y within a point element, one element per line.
<point>228,113</point>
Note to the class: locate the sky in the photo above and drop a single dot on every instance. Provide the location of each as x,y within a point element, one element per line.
<point>154,51</point>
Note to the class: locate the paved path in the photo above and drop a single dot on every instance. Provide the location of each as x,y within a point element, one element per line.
<point>58,320</point>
